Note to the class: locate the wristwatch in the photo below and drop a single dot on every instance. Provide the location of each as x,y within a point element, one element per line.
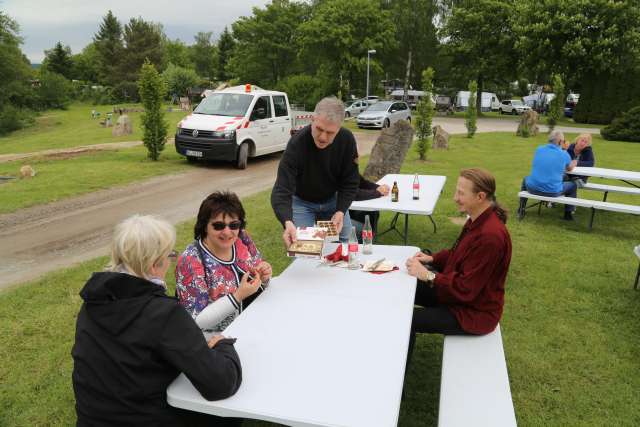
<point>430,278</point>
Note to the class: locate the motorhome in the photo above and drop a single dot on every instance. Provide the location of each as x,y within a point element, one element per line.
<point>490,101</point>
<point>413,97</point>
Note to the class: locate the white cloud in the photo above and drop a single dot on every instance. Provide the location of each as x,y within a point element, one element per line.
<point>74,22</point>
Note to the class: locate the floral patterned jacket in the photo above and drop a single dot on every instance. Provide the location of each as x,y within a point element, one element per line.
<point>197,289</point>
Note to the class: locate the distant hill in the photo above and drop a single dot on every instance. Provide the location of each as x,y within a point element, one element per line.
<point>36,66</point>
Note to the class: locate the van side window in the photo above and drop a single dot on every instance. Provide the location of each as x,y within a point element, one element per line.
<point>262,109</point>
<point>280,106</point>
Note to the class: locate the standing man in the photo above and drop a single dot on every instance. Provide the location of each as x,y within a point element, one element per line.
<point>550,162</point>
<point>317,177</point>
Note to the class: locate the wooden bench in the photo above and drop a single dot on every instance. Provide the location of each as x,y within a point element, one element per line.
<point>474,389</point>
<point>611,189</point>
<point>583,203</point>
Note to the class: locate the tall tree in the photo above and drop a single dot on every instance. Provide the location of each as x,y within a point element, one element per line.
<point>226,44</point>
<point>203,54</point>
<point>109,45</point>
<point>177,53</point>
<point>336,38</point>
<point>59,60</point>
<point>152,90</point>
<point>87,64</point>
<point>142,41</point>
<point>15,69</point>
<point>480,39</point>
<point>267,43</point>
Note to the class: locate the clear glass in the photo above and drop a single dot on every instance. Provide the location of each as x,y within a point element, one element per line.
<point>354,264</point>
<point>367,237</point>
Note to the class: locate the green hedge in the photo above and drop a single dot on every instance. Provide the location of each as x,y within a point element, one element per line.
<point>604,97</point>
<point>624,128</point>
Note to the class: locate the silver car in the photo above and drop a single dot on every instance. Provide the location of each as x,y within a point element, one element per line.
<point>383,114</point>
<point>356,108</point>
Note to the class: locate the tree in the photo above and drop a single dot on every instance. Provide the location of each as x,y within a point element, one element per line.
<point>59,60</point>
<point>109,46</point>
<point>203,54</point>
<point>152,90</point>
<point>15,69</point>
<point>142,41</point>
<point>625,127</point>
<point>472,111</point>
<point>54,91</point>
<point>177,53</point>
<point>226,44</point>
<point>86,64</point>
<point>480,40</point>
<point>336,38</point>
<point>267,43</point>
<point>556,109</point>
<point>179,79</point>
<point>425,114</point>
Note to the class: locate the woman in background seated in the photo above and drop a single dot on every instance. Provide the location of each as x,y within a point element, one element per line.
<point>461,290</point>
<point>367,190</point>
<point>132,340</point>
<point>581,151</point>
<point>212,276</point>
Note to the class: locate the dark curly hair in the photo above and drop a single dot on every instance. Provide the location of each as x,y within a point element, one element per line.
<point>224,202</point>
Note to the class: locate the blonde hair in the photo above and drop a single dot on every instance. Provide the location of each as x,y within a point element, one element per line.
<point>139,242</point>
<point>586,136</point>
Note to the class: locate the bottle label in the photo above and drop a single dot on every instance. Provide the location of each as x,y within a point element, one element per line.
<point>367,235</point>
<point>353,247</point>
<point>416,186</point>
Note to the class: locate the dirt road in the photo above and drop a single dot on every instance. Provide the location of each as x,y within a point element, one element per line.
<point>37,240</point>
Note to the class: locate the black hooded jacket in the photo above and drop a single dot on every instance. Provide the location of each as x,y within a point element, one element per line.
<point>132,340</point>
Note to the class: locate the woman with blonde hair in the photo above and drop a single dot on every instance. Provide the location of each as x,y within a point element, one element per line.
<point>581,151</point>
<point>132,340</point>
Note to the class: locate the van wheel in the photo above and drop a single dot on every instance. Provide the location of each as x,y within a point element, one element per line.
<point>386,123</point>
<point>243,155</point>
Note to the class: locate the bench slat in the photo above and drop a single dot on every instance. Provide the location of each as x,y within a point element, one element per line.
<point>611,188</point>
<point>585,203</point>
<point>474,389</point>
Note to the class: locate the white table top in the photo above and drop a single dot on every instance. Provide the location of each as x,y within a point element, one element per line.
<point>606,173</point>
<point>430,189</point>
<point>322,346</point>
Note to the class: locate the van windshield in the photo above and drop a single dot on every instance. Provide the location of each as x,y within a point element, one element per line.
<point>224,104</point>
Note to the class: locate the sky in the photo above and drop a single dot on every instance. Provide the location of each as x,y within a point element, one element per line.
<point>74,22</point>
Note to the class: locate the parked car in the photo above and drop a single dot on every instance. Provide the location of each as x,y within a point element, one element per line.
<point>513,106</point>
<point>568,109</point>
<point>357,107</point>
<point>383,114</point>
<point>238,123</point>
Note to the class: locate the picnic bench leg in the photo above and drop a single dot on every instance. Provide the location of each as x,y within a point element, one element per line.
<point>593,213</point>
<point>406,228</point>
<point>434,224</point>
<point>605,196</point>
<point>539,207</point>
<point>637,278</point>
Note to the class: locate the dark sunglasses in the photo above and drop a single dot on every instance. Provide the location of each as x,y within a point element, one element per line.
<point>173,255</point>
<point>233,225</point>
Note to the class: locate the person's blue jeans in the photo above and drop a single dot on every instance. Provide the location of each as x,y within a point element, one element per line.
<point>305,214</point>
<point>569,189</point>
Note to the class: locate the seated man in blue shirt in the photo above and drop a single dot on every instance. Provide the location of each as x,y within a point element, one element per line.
<point>549,165</point>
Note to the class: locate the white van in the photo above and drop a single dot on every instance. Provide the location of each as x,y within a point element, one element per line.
<point>237,123</point>
<point>413,97</point>
<point>490,101</point>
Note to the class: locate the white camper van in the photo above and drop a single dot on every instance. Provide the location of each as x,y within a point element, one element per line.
<point>413,97</point>
<point>490,101</point>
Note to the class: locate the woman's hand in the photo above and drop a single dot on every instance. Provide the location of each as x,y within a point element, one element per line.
<point>214,340</point>
<point>423,258</point>
<point>247,287</point>
<point>264,269</point>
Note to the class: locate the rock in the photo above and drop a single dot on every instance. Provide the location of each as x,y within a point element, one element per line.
<point>528,125</point>
<point>27,171</point>
<point>123,126</point>
<point>440,138</point>
<point>389,151</point>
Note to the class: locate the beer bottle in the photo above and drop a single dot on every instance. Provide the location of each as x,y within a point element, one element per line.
<point>395,193</point>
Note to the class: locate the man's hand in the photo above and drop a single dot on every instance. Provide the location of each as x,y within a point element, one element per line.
<point>337,220</point>
<point>423,258</point>
<point>416,269</point>
<point>383,189</point>
<point>572,165</point>
<point>289,234</point>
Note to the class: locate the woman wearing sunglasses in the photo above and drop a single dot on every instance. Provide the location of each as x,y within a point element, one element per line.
<point>221,272</point>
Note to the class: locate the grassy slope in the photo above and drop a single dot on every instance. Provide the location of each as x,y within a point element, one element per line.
<point>569,327</point>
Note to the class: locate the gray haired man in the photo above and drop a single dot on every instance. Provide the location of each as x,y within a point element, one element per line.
<point>317,176</point>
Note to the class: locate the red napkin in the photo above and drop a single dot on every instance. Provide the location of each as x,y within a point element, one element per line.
<point>337,255</point>
<point>382,272</point>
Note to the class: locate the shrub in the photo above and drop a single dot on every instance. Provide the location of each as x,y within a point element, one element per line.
<point>179,79</point>
<point>424,114</point>
<point>126,92</point>
<point>152,92</point>
<point>13,118</point>
<point>604,97</point>
<point>624,128</point>
<point>54,91</point>
<point>556,109</point>
<point>472,111</point>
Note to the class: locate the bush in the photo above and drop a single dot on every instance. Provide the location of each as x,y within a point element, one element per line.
<point>179,79</point>
<point>604,97</point>
<point>424,114</point>
<point>556,109</point>
<point>624,128</point>
<point>12,119</point>
<point>54,91</point>
<point>126,92</point>
<point>152,92</point>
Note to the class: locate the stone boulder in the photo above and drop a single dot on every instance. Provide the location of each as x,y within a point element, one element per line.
<point>440,138</point>
<point>123,126</point>
<point>389,151</point>
<point>528,125</point>
<point>27,171</point>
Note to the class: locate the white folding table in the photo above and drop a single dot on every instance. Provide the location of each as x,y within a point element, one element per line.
<point>430,188</point>
<point>322,346</point>
<point>622,175</point>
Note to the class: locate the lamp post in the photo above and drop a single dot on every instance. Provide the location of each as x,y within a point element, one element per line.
<point>369,53</point>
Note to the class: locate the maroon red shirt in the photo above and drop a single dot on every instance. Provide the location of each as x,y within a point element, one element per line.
<point>473,274</point>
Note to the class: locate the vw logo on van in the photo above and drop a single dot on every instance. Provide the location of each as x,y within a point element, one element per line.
<point>195,133</point>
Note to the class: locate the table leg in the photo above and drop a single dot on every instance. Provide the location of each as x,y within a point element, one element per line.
<point>637,278</point>
<point>406,228</point>
<point>434,224</point>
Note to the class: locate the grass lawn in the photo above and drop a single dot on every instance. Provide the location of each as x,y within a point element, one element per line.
<point>65,176</point>
<point>569,327</point>
<point>564,121</point>
<point>75,127</point>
